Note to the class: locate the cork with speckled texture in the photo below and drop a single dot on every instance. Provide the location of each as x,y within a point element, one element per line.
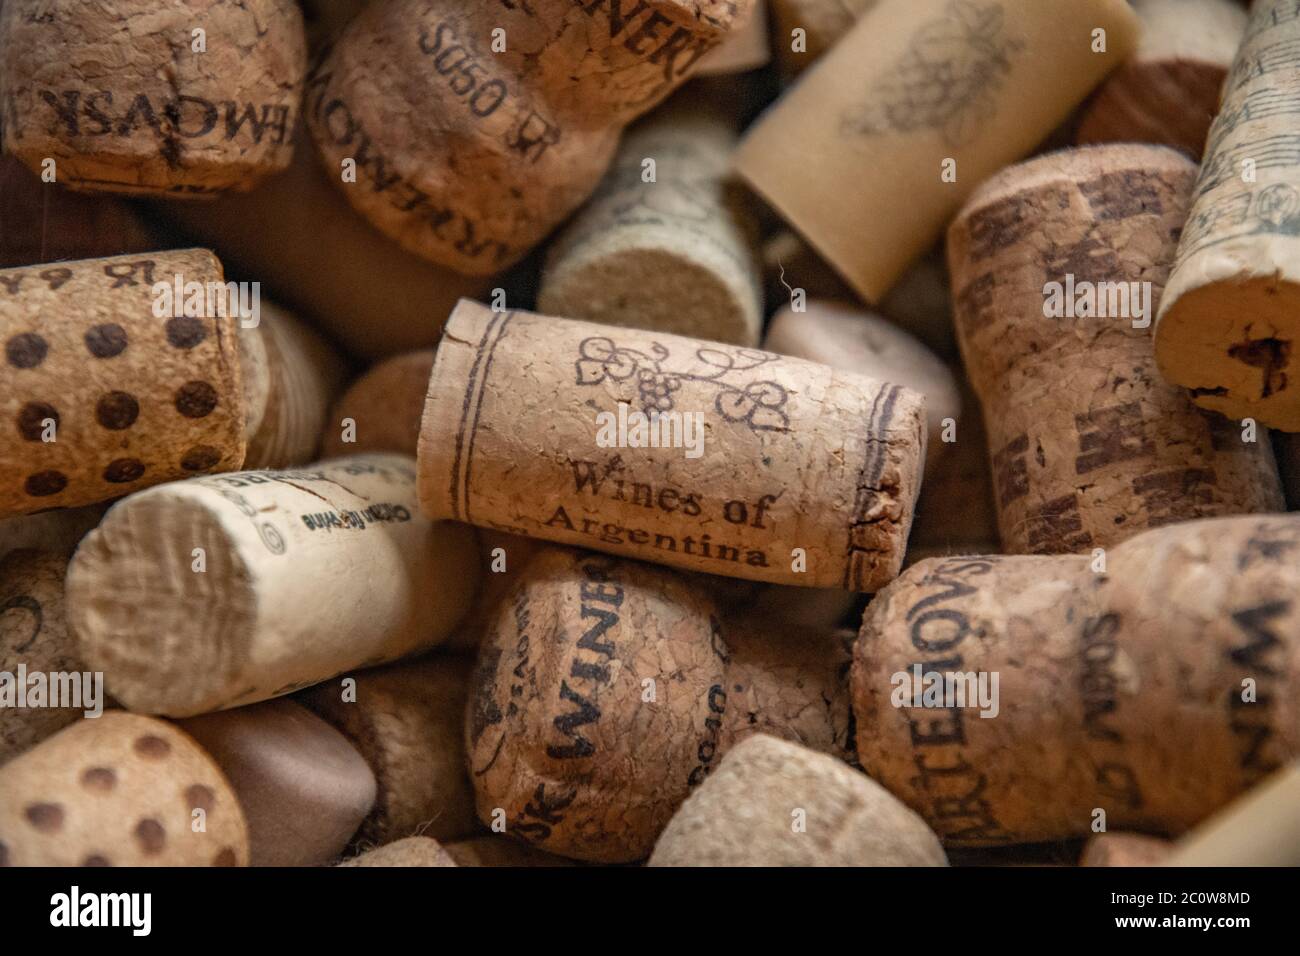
<point>794,455</point>
<point>407,720</point>
<point>1124,849</point>
<point>120,790</point>
<point>412,851</point>
<point>1155,690</point>
<point>1088,444</point>
<point>1230,317</point>
<point>774,803</point>
<point>1168,91</point>
<point>129,397</point>
<point>823,22</point>
<point>677,254</point>
<point>469,154</point>
<point>34,633</point>
<point>606,689</point>
<point>120,98</point>
<point>385,405</point>
<point>306,575</point>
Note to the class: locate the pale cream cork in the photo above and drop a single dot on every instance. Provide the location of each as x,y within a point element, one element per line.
<point>774,803</point>
<point>303,787</point>
<point>823,22</point>
<point>408,722</point>
<point>468,153</point>
<point>677,254</point>
<point>305,575</point>
<point>1124,849</point>
<point>498,851</point>
<point>746,48</point>
<point>1088,445</point>
<point>795,455</point>
<point>607,689</point>
<point>370,295</point>
<point>130,398</point>
<point>120,790</point>
<point>1230,315</point>
<point>1142,697</point>
<point>1260,829</point>
<point>34,637</point>
<point>852,339</point>
<point>126,100</point>
<point>291,377</point>
<point>1168,91</point>
<point>412,851</point>
<point>384,405</point>
<point>979,82</point>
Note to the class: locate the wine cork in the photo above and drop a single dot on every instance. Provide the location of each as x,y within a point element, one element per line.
<point>1140,697</point>
<point>504,556</point>
<point>177,97</point>
<point>1231,310</point>
<point>673,254</point>
<point>794,455</point>
<point>43,222</point>
<point>1124,849</point>
<point>291,376</point>
<point>912,86</point>
<point>475,131</point>
<point>1168,91</point>
<point>381,410</point>
<point>303,787</point>
<point>44,686</point>
<point>212,593</point>
<point>1260,829</point>
<point>747,48</point>
<point>369,294</point>
<point>1088,445</point>
<point>408,722</point>
<point>498,851</point>
<point>606,690</point>
<point>122,790</point>
<point>773,803</point>
<point>854,340</point>
<point>99,395</point>
<point>822,24</point>
<point>412,851</point>
<point>59,530</point>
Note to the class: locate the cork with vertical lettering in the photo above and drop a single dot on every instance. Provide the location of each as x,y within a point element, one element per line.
<point>100,394</point>
<point>182,98</point>
<point>1057,266</point>
<point>1025,698</point>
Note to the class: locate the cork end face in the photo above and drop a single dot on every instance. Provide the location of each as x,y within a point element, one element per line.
<point>160,601</point>
<point>1236,347</point>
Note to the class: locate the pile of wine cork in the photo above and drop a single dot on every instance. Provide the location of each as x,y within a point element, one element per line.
<point>769,433</point>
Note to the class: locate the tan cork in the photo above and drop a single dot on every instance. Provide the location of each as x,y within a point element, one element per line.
<point>305,575</point>
<point>1088,445</point>
<point>677,254</point>
<point>1168,91</point>
<point>120,790</point>
<point>291,377</point>
<point>34,635</point>
<point>385,406</point>
<point>408,722</point>
<point>1260,829</point>
<point>129,397</point>
<point>823,22</point>
<point>774,803</point>
<point>130,104</point>
<point>504,556</point>
<point>795,455</point>
<point>852,339</point>
<point>1124,849</point>
<point>468,154</point>
<point>412,851</point>
<point>606,690</point>
<point>979,82</point>
<point>43,222</point>
<point>498,851</point>
<point>1154,691</point>
<point>1230,316</point>
<point>303,787</point>
<point>747,46</point>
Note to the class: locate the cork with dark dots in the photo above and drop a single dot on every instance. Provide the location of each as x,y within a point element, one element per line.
<point>120,790</point>
<point>183,98</point>
<point>1057,266</point>
<point>100,396</point>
